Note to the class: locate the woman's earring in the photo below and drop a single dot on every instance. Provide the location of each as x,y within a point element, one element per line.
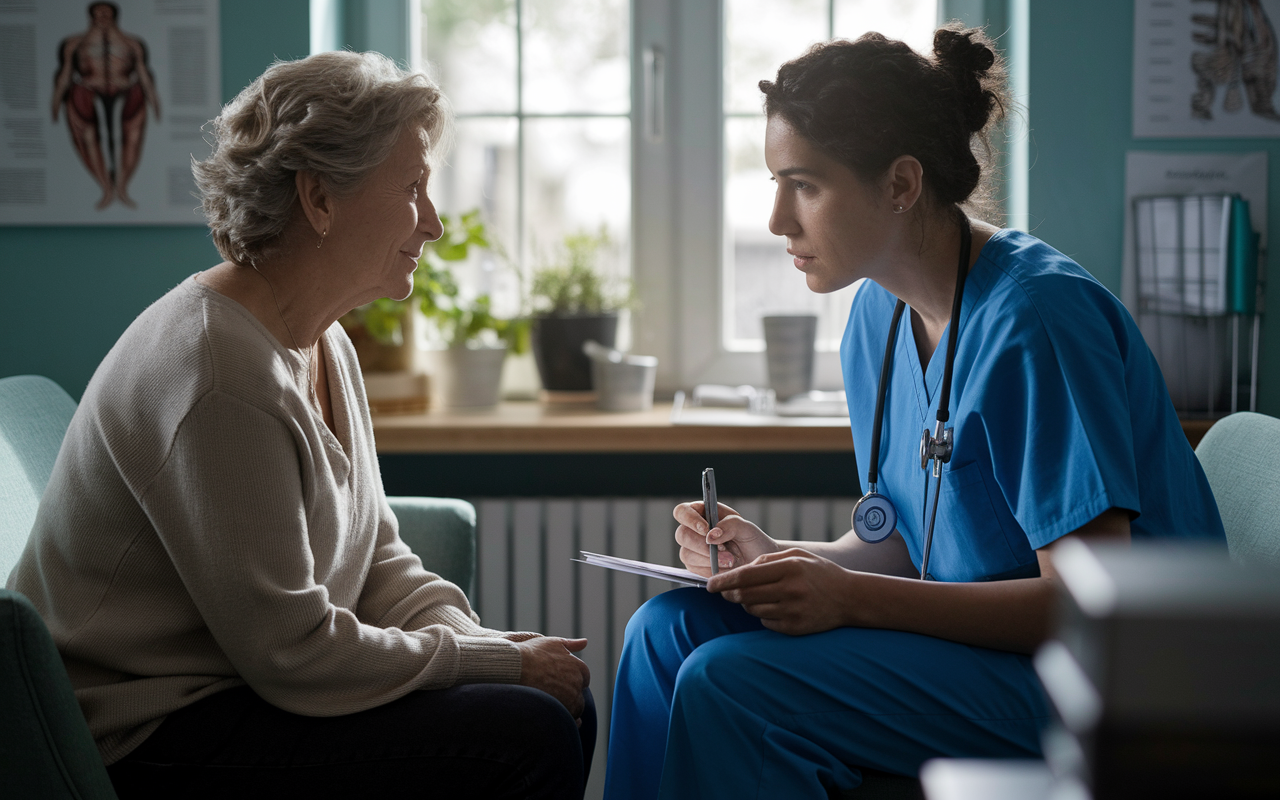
<point>323,234</point>
<point>897,209</point>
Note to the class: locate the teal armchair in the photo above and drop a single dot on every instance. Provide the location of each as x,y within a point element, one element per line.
<point>1239,458</point>
<point>46,751</point>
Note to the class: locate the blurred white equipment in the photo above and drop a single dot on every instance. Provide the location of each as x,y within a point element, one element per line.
<point>1162,672</point>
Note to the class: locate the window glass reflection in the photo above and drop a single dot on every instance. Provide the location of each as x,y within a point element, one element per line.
<point>471,50</point>
<point>481,172</point>
<point>759,36</point>
<point>578,180</point>
<point>576,56</point>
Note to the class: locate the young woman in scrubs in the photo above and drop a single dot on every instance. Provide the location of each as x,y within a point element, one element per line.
<point>803,662</point>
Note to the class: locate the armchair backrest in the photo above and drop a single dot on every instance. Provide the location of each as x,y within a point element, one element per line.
<point>34,415</point>
<point>1241,457</point>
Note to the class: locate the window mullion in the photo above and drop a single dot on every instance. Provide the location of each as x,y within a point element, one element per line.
<point>520,160</point>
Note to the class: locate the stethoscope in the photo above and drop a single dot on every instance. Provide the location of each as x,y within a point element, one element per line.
<point>874,518</point>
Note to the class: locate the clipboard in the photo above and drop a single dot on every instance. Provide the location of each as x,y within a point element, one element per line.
<point>643,568</point>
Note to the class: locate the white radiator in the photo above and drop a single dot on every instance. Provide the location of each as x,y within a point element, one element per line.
<point>526,581</point>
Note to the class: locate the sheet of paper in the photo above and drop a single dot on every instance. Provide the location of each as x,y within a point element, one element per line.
<point>742,418</point>
<point>659,571</point>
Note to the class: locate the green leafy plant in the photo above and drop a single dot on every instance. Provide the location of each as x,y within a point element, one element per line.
<point>437,294</point>
<point>573,284</point>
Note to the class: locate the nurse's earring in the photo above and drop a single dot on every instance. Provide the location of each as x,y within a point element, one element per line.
<point>898,209</point>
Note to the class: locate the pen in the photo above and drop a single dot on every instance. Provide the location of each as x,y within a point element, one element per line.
<point>712,512</point>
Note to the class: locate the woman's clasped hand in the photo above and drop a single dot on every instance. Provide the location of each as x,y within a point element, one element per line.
<point>548,663</point>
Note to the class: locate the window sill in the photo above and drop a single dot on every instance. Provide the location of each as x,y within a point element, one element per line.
<point>529,427</point>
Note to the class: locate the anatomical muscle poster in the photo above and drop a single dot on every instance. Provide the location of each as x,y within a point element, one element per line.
<point>101,108</point>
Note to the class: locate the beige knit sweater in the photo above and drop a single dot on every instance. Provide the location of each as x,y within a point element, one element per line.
<point>204,529</point>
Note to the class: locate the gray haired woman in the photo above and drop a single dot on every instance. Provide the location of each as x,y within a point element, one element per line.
<point>215,555</point>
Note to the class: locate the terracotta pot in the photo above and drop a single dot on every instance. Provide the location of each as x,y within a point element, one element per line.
<point>374,356</point>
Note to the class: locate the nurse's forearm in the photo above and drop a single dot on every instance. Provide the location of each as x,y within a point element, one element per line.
<point>889,557</point>
<point>1012,615</point>
<point>1005,615</point>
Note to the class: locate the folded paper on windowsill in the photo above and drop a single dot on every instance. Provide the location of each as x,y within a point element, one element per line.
<point>659,571</point>
<point>747,407</point>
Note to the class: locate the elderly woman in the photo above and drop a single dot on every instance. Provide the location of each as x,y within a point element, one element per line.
<point>215,555</point>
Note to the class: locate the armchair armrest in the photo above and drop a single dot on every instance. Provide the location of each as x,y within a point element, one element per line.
<point>442,532</point>
<point>45,747</point>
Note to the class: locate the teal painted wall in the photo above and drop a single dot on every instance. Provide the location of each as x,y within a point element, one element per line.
<point>1080,112</point>
<point>67,293</point>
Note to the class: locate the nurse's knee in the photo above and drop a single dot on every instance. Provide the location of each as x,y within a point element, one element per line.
<point>715,667</point>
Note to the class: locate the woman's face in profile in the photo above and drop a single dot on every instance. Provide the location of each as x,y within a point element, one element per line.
<point>381,227</point>
<point>835,223</point>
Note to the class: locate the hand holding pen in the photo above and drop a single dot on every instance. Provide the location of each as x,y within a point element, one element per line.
<point>736,540</point>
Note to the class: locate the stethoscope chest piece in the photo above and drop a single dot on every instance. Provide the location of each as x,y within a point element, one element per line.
<point>874,518</point>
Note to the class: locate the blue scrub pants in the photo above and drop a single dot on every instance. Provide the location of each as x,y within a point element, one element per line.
<point>708,703</point>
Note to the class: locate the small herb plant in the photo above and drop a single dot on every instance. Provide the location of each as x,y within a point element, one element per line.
<point>437,295</point>
<point>572,284</point>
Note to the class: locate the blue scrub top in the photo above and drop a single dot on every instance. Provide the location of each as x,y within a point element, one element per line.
<point>1059,410</point>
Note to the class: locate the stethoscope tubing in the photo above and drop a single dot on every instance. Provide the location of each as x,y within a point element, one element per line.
<point>935,447</point>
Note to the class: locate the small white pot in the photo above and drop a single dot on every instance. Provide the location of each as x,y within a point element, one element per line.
<point>465,377</point>
<point>623,382</point>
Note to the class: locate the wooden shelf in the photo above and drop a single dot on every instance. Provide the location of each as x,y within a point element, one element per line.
<point>529,427</point>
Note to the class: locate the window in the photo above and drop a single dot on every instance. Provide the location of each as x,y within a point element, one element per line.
<point>644,117</point>
<point>542,93</point>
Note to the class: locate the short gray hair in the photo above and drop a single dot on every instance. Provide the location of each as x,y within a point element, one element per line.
<point>337,115</point>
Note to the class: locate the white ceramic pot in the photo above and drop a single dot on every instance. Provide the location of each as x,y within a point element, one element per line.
<point>465,377</point>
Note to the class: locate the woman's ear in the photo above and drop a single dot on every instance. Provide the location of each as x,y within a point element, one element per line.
<point>905,183</point>
<point>317,203</point>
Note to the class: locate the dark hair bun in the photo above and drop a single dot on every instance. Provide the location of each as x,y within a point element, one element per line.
<point>869,101</point>
<point>956,50</point>
<point>967,55</point>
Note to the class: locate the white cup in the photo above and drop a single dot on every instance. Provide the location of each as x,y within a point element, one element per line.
<point>788,350</point>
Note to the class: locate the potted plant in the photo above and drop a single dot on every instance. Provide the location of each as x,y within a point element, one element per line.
<point>572,303</point>
<point>466,369</point>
